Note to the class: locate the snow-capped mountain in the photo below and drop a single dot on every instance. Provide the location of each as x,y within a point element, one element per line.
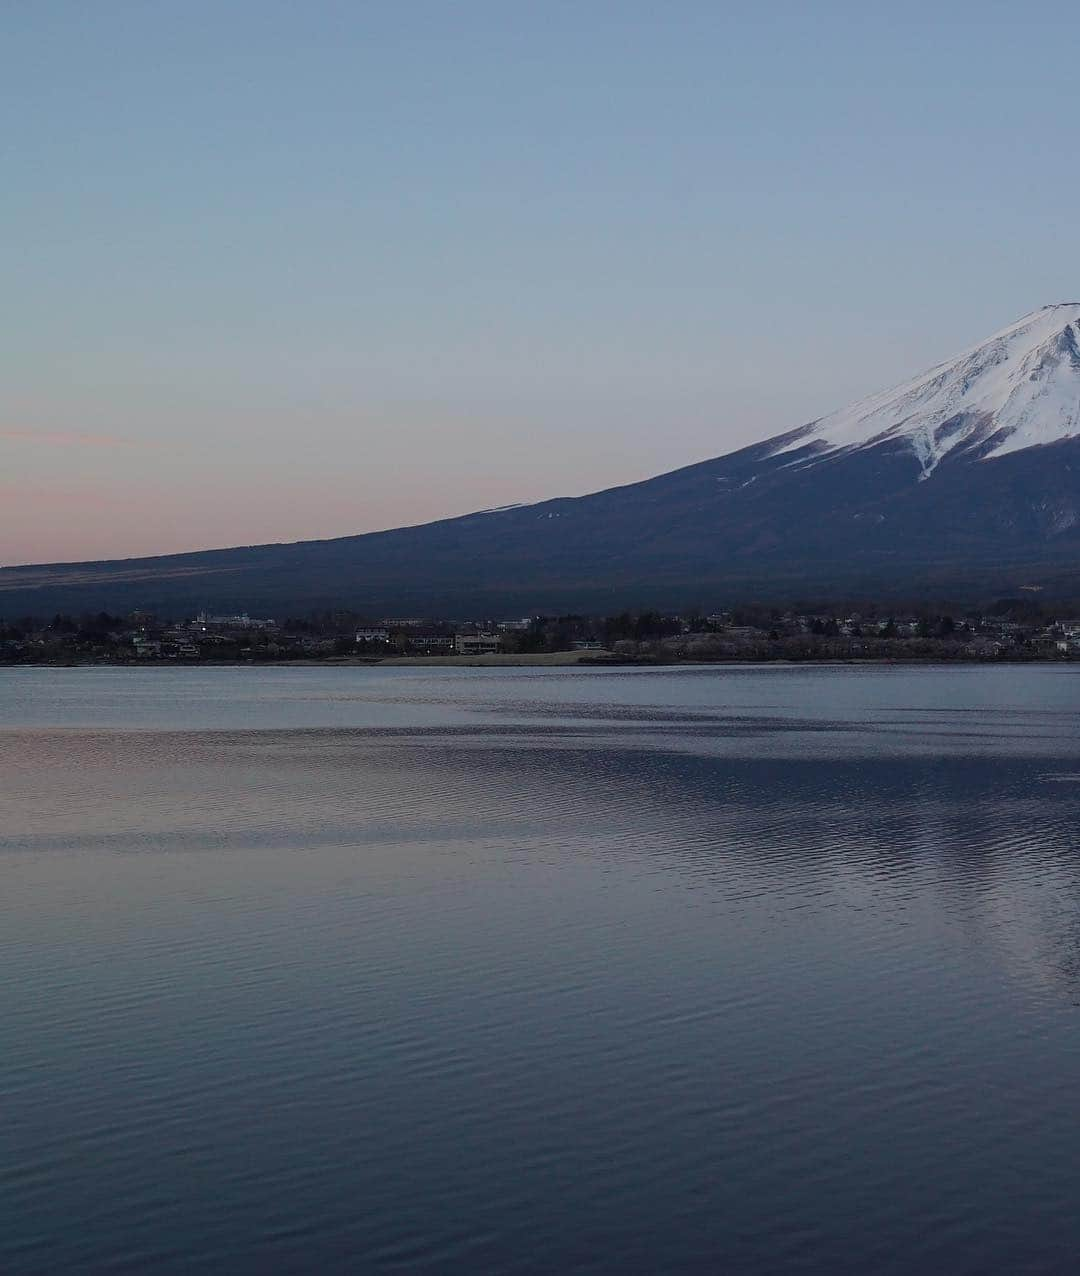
<point>962,483</point>
<point>1020,388</point>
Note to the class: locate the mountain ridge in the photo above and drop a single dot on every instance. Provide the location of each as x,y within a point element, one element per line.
<point>1018,388</point>
<point>965,477</point>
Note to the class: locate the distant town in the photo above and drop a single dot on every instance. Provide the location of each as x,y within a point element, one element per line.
<point>1009,630</point>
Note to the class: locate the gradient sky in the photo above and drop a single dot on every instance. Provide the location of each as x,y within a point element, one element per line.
<point>276,271</point>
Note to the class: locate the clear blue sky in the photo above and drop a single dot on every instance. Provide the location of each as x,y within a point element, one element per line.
<point>284,270</point>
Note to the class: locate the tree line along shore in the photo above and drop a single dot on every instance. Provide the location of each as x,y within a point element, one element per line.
<point>1008,630</point>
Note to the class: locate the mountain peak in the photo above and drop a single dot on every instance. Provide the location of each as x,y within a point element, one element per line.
<point>1019,388</point>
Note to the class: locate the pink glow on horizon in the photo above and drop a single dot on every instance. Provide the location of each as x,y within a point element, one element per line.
<point>82,520</point>
<point>68,438</point>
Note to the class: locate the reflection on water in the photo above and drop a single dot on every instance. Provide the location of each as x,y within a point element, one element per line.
<point>469,971</point>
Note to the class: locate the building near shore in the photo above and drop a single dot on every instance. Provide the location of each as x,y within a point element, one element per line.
<point>240,621</point>
<point>431,644</point>
<point>476,644</point>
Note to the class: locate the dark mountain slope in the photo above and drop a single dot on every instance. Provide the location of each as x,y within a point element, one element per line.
<point>965,480</point>
<point>748,523</point>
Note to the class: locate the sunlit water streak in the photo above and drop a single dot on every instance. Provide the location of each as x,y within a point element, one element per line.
<point>767,970</point>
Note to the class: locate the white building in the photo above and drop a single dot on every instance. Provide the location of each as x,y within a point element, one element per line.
<point>240,621</point>
<point>431,642</point>
<point>476,644</point>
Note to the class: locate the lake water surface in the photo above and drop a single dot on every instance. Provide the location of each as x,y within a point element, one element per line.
<point>540,970</point>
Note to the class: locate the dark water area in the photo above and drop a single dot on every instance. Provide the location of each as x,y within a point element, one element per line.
<point>540,971</point>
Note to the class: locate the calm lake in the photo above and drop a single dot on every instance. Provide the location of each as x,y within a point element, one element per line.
<point>725,970</point>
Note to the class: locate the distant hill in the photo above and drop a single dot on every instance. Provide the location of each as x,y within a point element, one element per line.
<point>963,481</point>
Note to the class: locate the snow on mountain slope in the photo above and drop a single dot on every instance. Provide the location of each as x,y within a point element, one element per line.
<point>1018,389</point>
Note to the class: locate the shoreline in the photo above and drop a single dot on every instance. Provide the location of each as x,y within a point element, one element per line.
<point>547,659</point>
